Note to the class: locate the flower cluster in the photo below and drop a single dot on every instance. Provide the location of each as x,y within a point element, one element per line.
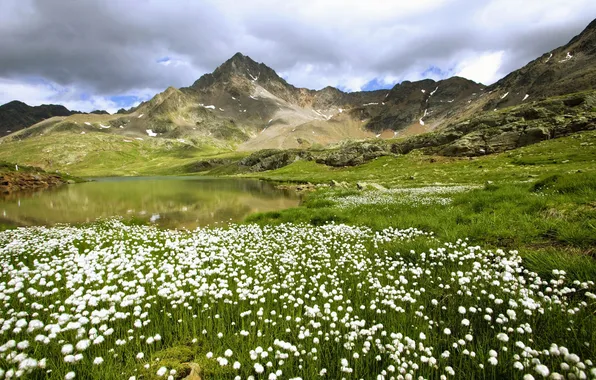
<point>430,195</point>
<point>289,301</point>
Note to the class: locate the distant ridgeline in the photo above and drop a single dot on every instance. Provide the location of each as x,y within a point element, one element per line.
<point>247,106</point>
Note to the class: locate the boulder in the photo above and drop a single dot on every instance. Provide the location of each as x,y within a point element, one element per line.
<point>503,141</point>
<point>369,186</point>
<point>533,135</point>
<point>376,186</point>
<point>271,159</point>
<point>468,145</point>
<point>205,165</point>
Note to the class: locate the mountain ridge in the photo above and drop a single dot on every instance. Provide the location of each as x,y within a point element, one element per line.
<point>565,69</point>
<point>16,115</point>
<point>247,105</point>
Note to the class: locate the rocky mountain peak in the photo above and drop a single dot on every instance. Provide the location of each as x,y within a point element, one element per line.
<point>240,76</point>
<point>241,65</point>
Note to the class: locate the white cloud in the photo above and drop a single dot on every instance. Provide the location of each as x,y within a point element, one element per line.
<point>483,67</point>
<point>498,14</point>
<point>314,43</point>
<point>38,93</point>
<point>33,93</point>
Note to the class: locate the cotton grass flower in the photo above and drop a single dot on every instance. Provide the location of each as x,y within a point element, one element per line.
<point>161,371</point>
<point>321,288</point>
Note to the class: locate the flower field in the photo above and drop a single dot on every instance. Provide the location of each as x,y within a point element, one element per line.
<point>112,301</point>
<point>416,196</point>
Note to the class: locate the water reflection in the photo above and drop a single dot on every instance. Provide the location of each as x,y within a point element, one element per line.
<point>171,202</point>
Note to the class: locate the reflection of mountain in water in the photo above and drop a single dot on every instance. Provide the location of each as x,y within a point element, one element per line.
<point>169,201</point>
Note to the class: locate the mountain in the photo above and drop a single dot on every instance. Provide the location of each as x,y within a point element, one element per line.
<point>17,115</point>
<point>275,113</point>
<point>416,107</point>
<point>566,69</point>
<point>241,104</point>
<point>246,105</point>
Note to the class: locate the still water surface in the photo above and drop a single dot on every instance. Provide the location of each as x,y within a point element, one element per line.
<point>172,202</point>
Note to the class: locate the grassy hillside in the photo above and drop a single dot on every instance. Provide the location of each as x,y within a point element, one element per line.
<point>556,156</point>
<point>101,154</point>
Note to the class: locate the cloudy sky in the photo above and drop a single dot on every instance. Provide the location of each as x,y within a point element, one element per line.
<point>104,54</point>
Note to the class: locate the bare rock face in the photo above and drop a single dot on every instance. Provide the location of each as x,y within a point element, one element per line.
<point>273,159</point>
<point>424,102</point>
<point>495,132</point>
<point>353,154</point>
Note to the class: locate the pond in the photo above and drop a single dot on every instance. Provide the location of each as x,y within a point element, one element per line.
<point>171,202</point>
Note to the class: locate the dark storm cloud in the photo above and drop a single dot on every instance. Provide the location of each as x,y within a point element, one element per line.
<point>112,48</point>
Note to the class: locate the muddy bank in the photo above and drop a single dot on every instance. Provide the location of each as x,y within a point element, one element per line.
<point>15,181</point>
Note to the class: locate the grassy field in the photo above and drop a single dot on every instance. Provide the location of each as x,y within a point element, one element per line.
<point>292,301</point>
<point>556,156</point>
<point>462,268</point>
<point>539,199</point>
<point>102,154</point>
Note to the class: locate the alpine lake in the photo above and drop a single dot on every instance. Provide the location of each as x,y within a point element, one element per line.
<point>168,202</point>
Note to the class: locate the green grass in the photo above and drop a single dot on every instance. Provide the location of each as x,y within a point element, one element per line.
<point>415,169</point>
<point>102,154</point>
<point>538,200</point>
<point>330,293</point>
<point>553,218</point>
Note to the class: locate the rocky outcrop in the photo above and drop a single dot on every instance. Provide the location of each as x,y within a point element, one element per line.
<point>12,182</point>
<point>349,155</point>
<point>567,69</point>
<point>206,165</point>
<point>271,159</point>
<point>16,178</point>
<point>369,186</point>
<point>352,154</point>
<point>495,132</point>
<point>491,132</point>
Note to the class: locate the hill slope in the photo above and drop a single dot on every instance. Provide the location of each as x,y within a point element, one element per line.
<point>16,115</point>
<point>566,69</point>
